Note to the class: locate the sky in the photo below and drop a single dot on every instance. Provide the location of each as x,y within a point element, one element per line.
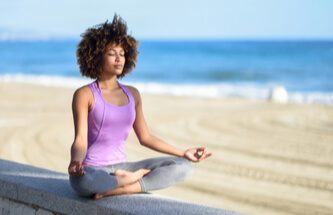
<point>172,19</point>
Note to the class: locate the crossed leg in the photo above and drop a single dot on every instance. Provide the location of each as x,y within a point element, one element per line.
<point>127,183</point>
<point>165,171</point>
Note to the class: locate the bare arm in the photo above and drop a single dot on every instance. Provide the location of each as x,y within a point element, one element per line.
<point>144,135</point>
<point>159,145</point>
<point>80,106</point>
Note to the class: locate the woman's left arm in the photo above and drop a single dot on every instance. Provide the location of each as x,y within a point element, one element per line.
<point>149,140</point>
<point>142,132</point>
<point>159,145</point>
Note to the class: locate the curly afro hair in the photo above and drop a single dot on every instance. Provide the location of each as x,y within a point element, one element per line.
<point>94,42</point>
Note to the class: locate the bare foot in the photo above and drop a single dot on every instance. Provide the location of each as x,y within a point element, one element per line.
<point>125,177</point>
<point>127,181</point>
<point>127,189</point>
<point>98,196</point>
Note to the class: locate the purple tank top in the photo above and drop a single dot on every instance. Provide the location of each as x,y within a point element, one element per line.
<point>108,128</point>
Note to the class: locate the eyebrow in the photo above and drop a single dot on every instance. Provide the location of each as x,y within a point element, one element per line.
<point>111,49</point>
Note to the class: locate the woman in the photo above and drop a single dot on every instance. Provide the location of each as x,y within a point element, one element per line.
<point>104,112</point>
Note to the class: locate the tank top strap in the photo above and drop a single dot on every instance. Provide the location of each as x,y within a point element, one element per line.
<point>96,89</point>
<point>127,91</point>
<point>93,86</point>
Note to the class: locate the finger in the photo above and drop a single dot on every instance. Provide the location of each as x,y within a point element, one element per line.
<point>73,169</point>
<point>73,173</point>
<point>81,170</point>
<point>201,148</point>
<point>77,168</point>
<point>197,155</point>
<point>203,155</point>
<point>202,152</point>
<point>81,173</point>
<point>193,158</point>
<point>208,155</point>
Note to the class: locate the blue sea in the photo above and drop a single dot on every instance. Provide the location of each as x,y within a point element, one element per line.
<point>212,68</point>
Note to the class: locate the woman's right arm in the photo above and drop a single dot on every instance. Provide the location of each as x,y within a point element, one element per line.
<point>80,106</point>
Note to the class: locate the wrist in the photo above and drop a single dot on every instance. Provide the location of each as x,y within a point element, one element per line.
<point>75,161</point>
<point>182,154</point>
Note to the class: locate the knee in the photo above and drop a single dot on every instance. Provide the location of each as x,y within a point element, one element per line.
<point>188,166</point>
<point>81,185</point>
<point>185,166</point>
<point>78,188</point>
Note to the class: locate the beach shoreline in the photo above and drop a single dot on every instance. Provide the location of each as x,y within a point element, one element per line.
<point>267,157</point>
<point>211,90</point>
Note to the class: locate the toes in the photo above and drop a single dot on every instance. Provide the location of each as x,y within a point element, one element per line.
<point>146,171</point>
<point>97,196</point>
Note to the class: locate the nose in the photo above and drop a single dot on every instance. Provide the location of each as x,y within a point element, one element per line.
<point>118,58</point>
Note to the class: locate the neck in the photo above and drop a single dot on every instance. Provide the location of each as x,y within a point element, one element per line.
<point>108,83</point>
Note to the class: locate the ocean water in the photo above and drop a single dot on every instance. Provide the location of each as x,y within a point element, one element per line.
<point>246,69</point>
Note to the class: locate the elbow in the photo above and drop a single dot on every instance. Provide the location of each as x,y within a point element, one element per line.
<point>145,140</point>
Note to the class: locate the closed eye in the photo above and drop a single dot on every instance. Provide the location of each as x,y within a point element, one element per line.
<point>113,54</point>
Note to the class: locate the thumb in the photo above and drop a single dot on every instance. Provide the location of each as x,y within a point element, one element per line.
<point>192,158</point>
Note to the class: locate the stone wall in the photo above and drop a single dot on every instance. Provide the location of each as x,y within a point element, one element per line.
<point>26,189</point>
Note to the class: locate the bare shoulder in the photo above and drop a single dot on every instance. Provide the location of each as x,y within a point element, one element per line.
<point>135,92</point>
<point>83,91</point>
<point>83,95</point>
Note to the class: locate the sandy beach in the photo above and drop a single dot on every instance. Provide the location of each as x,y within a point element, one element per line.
<point>267,158</point>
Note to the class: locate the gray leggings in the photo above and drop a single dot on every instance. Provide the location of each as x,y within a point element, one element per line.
<point>165,171</point>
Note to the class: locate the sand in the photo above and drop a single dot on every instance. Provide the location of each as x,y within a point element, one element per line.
<point>267,158</point>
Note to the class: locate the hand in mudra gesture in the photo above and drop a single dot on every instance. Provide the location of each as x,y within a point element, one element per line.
<point>197,154</point>
<point>75,168</point>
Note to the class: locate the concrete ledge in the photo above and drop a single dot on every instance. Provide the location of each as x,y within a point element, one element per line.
<point>50,192</point>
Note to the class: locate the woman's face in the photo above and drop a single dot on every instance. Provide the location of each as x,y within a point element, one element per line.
<point>114,60</point>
